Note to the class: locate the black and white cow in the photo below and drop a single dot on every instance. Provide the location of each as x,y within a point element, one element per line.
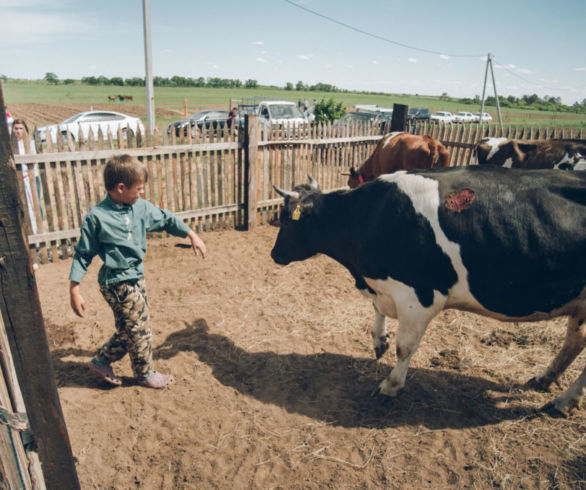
<point>504,243</point>
<point>558,154</point>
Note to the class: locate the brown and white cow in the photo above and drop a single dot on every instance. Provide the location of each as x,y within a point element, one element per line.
<point>400,151</point>
<point>557,154</point>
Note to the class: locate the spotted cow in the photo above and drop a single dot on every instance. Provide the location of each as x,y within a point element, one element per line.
<point>504,243</point>
<point>558,154</point>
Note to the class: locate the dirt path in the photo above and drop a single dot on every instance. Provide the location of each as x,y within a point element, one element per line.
<point>274,368</point>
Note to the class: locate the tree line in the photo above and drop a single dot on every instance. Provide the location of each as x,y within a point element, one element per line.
<point>531,102</point>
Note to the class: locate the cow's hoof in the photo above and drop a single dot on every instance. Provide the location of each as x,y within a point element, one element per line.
<point>553,411</point>
<point>537,384</point>
<point>381,397</point>
<point>386,390</point>
<point>382,347</point>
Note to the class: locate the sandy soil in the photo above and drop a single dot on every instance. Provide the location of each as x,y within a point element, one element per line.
<point>274,367</point>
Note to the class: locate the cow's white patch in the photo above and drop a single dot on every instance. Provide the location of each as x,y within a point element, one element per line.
<point>390,136</point>
<point>508,163</point>
<point>565,159</point>
<point>424,194</point>
<point>580,165</point>
<point>494,145</point>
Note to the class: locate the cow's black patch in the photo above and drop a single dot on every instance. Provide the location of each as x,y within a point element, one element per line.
<point>523,239</point>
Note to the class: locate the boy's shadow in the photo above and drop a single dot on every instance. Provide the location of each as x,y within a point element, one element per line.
<point>337,388</point>
<point>77,373</point>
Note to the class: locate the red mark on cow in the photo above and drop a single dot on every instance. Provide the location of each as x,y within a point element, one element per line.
<point>460,200</point>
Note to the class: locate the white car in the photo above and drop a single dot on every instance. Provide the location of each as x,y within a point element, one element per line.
<point>463,117</point>
<point>486,117</point>
<point>442,117</point>
<point>95,120</point>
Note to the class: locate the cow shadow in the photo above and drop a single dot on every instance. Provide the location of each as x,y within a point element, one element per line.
<point>337,388</point>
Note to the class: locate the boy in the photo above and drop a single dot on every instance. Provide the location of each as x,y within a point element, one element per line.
<point>115,229</point>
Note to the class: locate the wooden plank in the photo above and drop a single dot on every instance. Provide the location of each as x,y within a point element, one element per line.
<point>23,319</point>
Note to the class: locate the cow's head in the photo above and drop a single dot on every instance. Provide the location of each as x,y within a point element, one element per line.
<point>354,178</point>
<point>298,225</point>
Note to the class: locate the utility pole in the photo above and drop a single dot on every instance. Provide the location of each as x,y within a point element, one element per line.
<point>489,63</point>
<point>150,96</point>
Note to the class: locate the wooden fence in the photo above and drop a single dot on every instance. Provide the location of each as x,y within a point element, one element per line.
<point>204,178</point>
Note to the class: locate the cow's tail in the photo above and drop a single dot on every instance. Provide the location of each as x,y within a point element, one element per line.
<point>438,155</point>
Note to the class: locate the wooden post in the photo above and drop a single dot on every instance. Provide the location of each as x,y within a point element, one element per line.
<point>399,120</point>
<point>23,320</point>
<point>250,170</point>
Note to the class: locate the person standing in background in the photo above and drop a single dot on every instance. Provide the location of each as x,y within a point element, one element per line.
<point>22,145</point>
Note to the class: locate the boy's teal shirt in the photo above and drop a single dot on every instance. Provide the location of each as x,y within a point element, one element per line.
<point>117,233</point>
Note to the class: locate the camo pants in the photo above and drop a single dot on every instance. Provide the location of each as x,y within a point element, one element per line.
<point>128,300</point>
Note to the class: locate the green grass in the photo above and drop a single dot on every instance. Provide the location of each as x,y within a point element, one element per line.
<point>17,91</point>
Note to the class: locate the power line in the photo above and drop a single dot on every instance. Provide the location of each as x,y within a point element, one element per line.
<point>504,67</point>
<point>376,36</point>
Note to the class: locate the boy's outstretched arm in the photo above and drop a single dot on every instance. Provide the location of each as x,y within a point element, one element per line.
<point>197,244</point>
<point>76,299</point>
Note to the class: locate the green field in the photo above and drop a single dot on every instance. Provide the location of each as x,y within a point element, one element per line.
<point>173,99</point>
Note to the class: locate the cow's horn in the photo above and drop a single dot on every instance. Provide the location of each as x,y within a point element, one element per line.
<point>313,183</point>
<point>291,194</point>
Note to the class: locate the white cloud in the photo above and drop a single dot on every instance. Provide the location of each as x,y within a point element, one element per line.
<point>263,52</point>
<point>257,43</point>
<point>412,60</point>
<point>374,62</point>
<point>303,57</point>
<point>261,60</point>
<point>526,71</point>
<point>30,28</point>
<point>445,57</point>
<point>582,68</point>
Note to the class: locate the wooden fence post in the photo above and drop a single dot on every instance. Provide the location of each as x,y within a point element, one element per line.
<point>250,169</point>
<point>399,119</point>
<point>23,320</point>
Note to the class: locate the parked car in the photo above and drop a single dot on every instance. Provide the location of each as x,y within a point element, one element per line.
<point>418,114</point>
<point>486,117</point>
<point>442,117</point>
<point>355,116</point>
<point>212,118</point>
<point>463,117</point>
<point>280,112</point>
<point>95,120</point>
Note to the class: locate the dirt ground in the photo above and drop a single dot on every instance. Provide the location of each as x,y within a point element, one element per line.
<point>274,369</point>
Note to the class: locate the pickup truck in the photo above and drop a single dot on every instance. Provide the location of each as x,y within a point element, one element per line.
<point>281,113</point>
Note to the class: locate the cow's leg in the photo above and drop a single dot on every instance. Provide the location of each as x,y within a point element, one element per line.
<point>412,326</point>
<point>571,397</point>
<point>573,345</point>
<point>380,336</point>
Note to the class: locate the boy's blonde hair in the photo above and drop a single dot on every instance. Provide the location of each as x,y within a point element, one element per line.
<point>124,169</point>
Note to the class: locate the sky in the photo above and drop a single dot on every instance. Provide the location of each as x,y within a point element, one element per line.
<point>425,47</point>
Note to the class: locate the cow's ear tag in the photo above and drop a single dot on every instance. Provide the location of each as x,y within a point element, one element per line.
<point>296,213</point>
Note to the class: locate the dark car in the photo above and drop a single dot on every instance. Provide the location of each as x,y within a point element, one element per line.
<point>418,114</point>
<point>204,119</point>
<point>364,116</point>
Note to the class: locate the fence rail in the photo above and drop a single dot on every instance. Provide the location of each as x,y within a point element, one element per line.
<point>204,179</point>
